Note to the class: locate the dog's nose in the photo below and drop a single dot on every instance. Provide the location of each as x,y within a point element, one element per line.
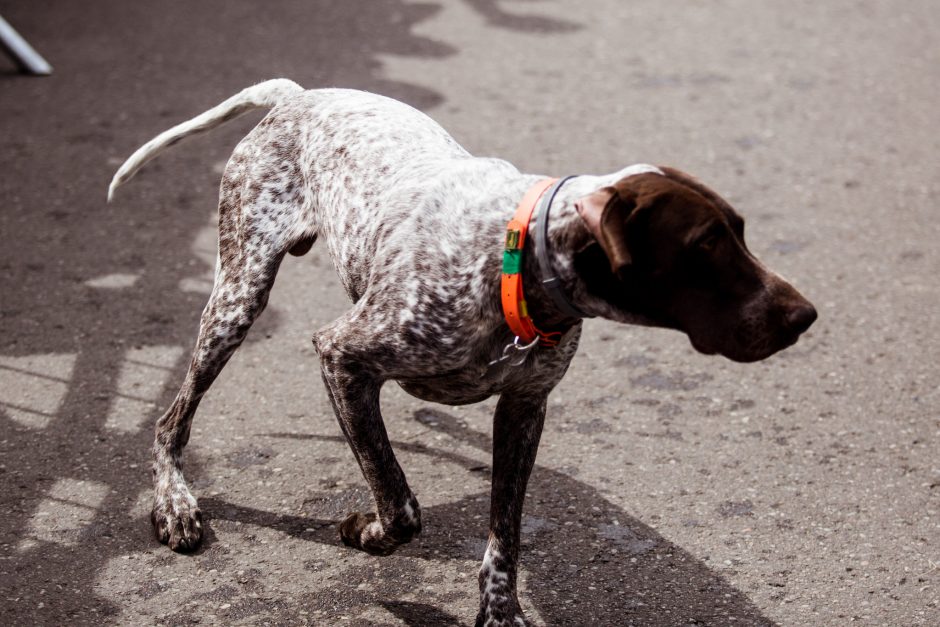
<point>801,318</point>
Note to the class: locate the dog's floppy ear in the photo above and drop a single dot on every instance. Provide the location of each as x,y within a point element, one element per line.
<point>606,213</point>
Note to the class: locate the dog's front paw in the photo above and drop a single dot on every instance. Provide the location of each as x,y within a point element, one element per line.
<point>503,613</point>
<point>366,533</point>
<point>180,526</point>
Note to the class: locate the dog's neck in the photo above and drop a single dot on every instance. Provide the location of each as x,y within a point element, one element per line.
<point>567,235</point>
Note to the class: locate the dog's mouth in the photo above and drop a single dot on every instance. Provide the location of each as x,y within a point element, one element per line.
<point>746,351</point>
<point>702,348</point>
<point>734,353</point>
<point>760,328</point>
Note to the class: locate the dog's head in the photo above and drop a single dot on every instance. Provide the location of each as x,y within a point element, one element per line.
<point>670,251</point>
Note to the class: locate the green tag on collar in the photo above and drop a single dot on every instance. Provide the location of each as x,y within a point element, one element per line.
<point>512,261</point>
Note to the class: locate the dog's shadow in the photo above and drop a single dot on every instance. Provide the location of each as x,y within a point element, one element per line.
<point>585,560</point>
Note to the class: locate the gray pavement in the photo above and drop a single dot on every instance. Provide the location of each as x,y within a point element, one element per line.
<point>671,488</point>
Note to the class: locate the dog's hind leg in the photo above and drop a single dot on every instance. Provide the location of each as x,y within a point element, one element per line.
<point>252,243</point>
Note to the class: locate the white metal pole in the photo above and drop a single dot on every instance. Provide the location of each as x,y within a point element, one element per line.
<point>23,54</point>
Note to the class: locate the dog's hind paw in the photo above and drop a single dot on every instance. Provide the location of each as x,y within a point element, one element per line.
<point>179,528</point>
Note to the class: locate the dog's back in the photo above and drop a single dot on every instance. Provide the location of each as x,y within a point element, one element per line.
<point>355,170</point>
<point>369,176</point>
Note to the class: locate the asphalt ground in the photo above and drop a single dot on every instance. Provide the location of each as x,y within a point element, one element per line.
<point>671,488</point>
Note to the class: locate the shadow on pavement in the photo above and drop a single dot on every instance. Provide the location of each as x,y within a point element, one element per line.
<point>419,614</point>
<point>581,569</point>
<point>496,16</point>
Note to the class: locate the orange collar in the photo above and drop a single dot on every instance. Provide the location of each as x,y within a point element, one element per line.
<point>514,306</point>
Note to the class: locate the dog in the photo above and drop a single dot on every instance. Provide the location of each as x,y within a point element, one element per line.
<point>417,230</point>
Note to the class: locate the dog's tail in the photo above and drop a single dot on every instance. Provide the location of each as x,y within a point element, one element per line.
<point>260,96</point>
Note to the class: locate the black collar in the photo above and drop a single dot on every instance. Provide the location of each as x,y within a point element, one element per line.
<point>550,281</point>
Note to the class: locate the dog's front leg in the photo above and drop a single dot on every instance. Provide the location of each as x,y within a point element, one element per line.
<point>354,392</point>
<point>517,427</point>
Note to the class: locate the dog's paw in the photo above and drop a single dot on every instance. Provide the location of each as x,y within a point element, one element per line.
<point>178,527</point>
<point>507,615</point>
<point>364,532</point>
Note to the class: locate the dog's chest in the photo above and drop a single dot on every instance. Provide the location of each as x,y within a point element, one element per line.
<point>482,378</point>
<point>460,388</point>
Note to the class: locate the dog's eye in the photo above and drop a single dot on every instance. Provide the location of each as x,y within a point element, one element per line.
<point>708,241</point>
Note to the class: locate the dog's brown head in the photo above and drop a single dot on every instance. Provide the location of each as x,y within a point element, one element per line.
<point>671,251</point>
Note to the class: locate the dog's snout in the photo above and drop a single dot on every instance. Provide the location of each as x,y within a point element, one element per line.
<point>801,318</point>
